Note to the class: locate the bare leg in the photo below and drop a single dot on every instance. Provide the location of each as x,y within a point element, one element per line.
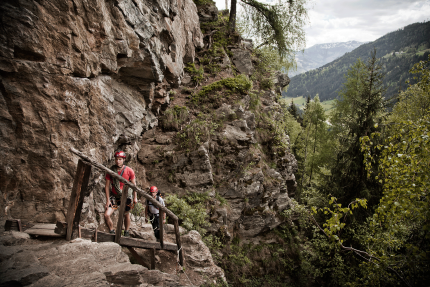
<point>108,221</point>
<point>127,221</point>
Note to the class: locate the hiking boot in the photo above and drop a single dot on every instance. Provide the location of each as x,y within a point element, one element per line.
<point>112,231</point>
<point>126,233</point>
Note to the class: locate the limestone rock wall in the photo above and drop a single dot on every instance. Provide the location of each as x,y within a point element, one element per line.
<point>89,74</point>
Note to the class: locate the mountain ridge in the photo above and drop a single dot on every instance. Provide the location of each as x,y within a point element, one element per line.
<point>321,54</point>
<point>398,51</point>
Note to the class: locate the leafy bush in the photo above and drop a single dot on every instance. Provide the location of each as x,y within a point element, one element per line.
<point>197,132</point>
<point>193,217</point>
<point>196,74</point>
<point>174,118</point>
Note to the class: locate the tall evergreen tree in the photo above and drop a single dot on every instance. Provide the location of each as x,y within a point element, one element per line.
<point>356,114</point>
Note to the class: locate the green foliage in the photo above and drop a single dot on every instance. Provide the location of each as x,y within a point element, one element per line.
<point>193,217</point>
<point>239,84</point>
<point>197,132</point>
<point>278,25</point>
<point>316,145</point>
<point>138,211</point>
<point>333,225</point>
<point>401,222</point>
<point>222,200</point>
<point>174,118</point>
<point>196,74</point>
<point>357,113</point>
<point>328,80</point>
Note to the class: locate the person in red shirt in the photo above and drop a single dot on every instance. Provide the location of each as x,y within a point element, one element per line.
<point>113,197</point>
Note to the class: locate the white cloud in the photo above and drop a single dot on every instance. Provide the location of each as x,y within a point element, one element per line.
<point>361,20</point>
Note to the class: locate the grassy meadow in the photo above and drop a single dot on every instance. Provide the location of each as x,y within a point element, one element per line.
<point>300,102</point>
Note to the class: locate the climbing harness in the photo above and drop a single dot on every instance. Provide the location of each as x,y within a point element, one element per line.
<point>115,202</point>
<point>116,182</point>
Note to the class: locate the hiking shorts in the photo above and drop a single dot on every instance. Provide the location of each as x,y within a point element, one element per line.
<point>115,203</point>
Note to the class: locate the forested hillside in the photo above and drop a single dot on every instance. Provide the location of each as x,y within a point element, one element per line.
<point>398,52</point>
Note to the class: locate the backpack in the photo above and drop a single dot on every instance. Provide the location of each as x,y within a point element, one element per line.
<point>158,199</point>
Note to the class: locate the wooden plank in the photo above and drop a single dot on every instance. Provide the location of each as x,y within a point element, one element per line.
<point>152,256</point>
<point>121,213</point>
<point>178,243</point>
<point>105,237</point>
<point>87,233</point>
<point>120,178</point>
<point>44,226</point>
<point>43,232</point>
<point>138,258</point>
<point>161,226</point>
<point>80,185</point>
<point>139,243</point>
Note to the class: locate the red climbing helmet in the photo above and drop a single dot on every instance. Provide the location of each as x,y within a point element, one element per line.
<point>153,189</point>
<point>120,154</point>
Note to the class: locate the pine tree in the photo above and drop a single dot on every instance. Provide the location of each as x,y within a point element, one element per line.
<point>359,108</point>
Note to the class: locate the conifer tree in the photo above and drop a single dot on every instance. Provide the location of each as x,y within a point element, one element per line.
<point>359,108</point>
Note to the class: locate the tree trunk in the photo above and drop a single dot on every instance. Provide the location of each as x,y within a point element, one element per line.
<point>232,19</point>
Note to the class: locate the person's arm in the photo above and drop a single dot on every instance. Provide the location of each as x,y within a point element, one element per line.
<point>107,193</point>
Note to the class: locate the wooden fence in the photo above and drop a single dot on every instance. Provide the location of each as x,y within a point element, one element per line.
<point>80,190</point>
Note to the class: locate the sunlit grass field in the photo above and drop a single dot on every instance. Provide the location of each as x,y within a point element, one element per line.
<point>300,102</point>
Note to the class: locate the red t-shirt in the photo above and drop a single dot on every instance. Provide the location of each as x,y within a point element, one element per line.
<point>128,175</point>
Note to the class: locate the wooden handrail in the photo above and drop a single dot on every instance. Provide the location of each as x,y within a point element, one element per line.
<point>131,185</point>
<point>154,201</point>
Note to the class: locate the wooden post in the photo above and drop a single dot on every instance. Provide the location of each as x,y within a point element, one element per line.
<point>121,213</point>
<point>161,226</point>
<point>95,235</point>
<point>152,251</point>
<point>79,189</point>
<point>13,224</point>
<point>178,242</point>
<point>137,257</point>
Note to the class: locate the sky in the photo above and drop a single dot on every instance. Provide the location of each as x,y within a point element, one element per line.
<point>332,21</point>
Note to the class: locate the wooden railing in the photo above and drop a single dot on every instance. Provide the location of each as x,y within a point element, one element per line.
<point>80,190</point>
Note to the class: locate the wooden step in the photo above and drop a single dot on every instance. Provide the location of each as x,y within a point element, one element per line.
<point>43,230</point>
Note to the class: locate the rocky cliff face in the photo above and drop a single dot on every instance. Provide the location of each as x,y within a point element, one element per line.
<point>88,74</point>
<point>101,76</point>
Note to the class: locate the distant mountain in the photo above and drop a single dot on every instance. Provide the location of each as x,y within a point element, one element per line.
<point>321,54</point>
<point>398,52</point>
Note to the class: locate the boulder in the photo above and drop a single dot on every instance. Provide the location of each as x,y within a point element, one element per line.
<point>243,61</point>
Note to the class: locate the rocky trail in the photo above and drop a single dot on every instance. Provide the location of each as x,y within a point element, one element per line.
<point>44,261</point>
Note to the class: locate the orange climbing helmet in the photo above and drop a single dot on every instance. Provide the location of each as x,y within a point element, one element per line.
<point>120,154</point>
<point>153,189</point>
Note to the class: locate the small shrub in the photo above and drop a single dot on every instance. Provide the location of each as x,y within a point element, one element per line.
<point>196,74</point>
<point>174,118</point>
<point>197,132</point>
<point>193,217</point>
